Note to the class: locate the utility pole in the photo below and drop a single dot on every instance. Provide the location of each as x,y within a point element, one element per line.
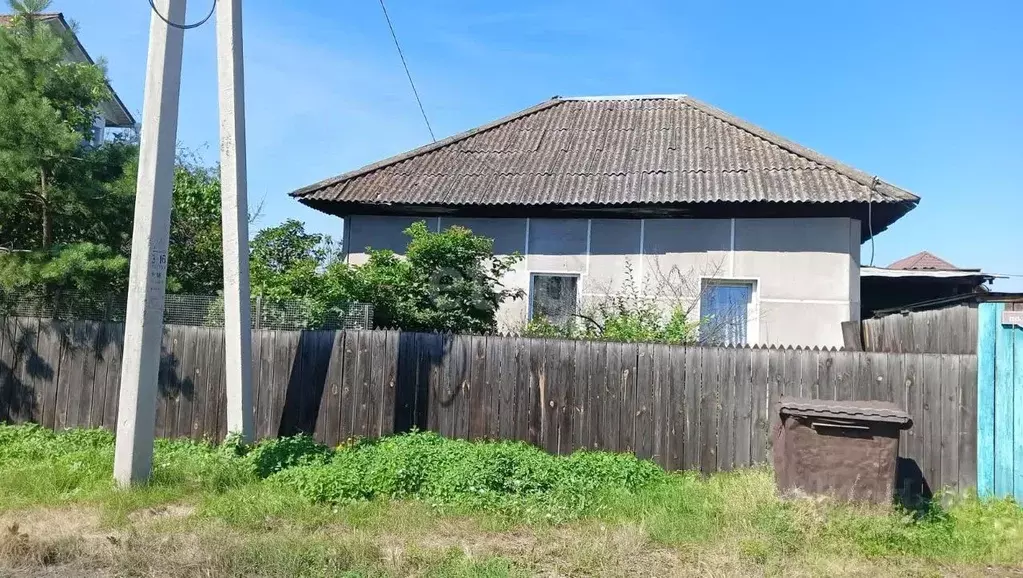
<point>147,278</point>
<point>235,215</point>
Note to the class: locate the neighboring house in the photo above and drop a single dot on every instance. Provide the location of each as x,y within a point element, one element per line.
<point>113,113</point>
<point>768,231</point>
<point>918,282</point>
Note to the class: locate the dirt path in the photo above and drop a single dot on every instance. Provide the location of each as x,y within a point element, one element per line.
<point>172,541</point>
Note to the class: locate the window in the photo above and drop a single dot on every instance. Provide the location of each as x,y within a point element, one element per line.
<point>725,311</point>
<point>554,297</point>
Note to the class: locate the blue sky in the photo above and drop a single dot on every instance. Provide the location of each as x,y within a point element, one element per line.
<point>926,94</point>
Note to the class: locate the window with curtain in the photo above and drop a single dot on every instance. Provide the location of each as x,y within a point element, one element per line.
<point>554,297</point>
<point>725,312</point>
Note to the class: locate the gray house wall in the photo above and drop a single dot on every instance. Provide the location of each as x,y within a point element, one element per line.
<point>805,271</point>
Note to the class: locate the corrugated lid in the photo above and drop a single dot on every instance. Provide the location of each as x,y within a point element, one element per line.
<point>860,410</point>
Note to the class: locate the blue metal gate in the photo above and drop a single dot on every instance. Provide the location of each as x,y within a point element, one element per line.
<point>1000,400</point>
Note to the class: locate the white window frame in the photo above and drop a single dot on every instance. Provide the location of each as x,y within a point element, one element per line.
<point>752,315</point>
<point>532,276</point>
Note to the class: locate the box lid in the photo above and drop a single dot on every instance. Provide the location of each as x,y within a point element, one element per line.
<point>874,411</point>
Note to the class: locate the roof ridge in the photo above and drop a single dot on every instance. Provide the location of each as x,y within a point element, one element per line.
<point>855,174</point>
<point>679,96</point>
<point>914,261</point>
<point>40,15</point>
<point>428,147</point>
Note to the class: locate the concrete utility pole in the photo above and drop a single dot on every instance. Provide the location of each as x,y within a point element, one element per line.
<point>235,214</point>
<point>147,278</point>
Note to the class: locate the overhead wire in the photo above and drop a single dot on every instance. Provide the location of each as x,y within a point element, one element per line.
<point>415,91</point>
<point>397,45</point>
<point>213,8</point>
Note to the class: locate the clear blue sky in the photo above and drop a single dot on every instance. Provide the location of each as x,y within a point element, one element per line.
<point>926,94</point>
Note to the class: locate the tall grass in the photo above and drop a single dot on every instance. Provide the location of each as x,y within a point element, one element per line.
<point>404,485</point>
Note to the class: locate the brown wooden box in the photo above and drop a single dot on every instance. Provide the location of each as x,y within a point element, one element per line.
<point>844,449</point>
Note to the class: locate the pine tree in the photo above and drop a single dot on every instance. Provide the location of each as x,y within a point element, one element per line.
<point>65,213</point>
<point>48,105</point>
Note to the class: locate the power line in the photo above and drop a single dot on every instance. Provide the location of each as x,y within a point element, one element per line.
<point>407,73</point>
<point>415,92</point>
<point>213,8</point>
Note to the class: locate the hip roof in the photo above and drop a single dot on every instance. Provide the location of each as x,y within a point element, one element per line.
<point>608,151</point>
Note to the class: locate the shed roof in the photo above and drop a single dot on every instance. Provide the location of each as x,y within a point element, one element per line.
<point>610,151</point>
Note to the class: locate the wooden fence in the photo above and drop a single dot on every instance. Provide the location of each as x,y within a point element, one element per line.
<point>949,330</point>
<point>684,407</point>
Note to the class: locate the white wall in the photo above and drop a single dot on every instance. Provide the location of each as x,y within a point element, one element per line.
<point>806,271</point>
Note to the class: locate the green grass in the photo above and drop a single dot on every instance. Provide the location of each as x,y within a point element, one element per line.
<point>421,505</point>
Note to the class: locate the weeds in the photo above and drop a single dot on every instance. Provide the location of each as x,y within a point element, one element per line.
<point>294,507</point>
<point>509,478</point>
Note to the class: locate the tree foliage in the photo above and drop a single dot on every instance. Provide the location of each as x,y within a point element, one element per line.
<point>447,281</point>
<point>63,223</point>
<point>82,267</point>
<point>195,263</point>
<point>48,104</point>
<point>74,201</point>
<point>287,263</point>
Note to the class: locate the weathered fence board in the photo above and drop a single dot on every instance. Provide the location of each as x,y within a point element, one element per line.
<point>700,408</point>
<point>946,330</point>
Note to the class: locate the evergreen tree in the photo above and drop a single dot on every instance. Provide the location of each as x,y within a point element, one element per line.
<point>48,105</point>
<point>64,222</point>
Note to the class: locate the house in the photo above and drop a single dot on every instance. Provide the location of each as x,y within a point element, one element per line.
<point>113,113</point>
<point>918,282</point>
<point>592,190</point>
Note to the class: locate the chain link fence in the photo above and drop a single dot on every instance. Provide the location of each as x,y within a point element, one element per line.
<point>197,310</point>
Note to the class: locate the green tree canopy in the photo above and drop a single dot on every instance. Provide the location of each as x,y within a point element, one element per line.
<point>288,263</point>
<point>447,281</point>
<point>48,105</point>
<point>196,256</point>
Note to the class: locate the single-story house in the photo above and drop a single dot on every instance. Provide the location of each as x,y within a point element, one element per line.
<point>764,232</point>
<point>916,283</point>
<point>113,113</point>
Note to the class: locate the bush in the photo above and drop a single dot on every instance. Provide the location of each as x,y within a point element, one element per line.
<point>508,477</point>
<point>272,456</point>
<point>628,316</point>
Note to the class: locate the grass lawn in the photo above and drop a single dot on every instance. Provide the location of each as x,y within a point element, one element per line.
<point>418,505</point>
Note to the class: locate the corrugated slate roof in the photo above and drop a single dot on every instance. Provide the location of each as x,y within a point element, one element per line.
<point>608,151</point>
<point>924,260</point>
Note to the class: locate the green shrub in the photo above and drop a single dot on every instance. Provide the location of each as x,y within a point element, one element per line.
<point>509,477</point>
<point>272,456</point>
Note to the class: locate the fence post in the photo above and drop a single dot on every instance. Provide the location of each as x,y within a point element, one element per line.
<point>259,312</point>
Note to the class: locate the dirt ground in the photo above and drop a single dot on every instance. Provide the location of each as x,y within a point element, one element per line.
<point>171,541</point>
